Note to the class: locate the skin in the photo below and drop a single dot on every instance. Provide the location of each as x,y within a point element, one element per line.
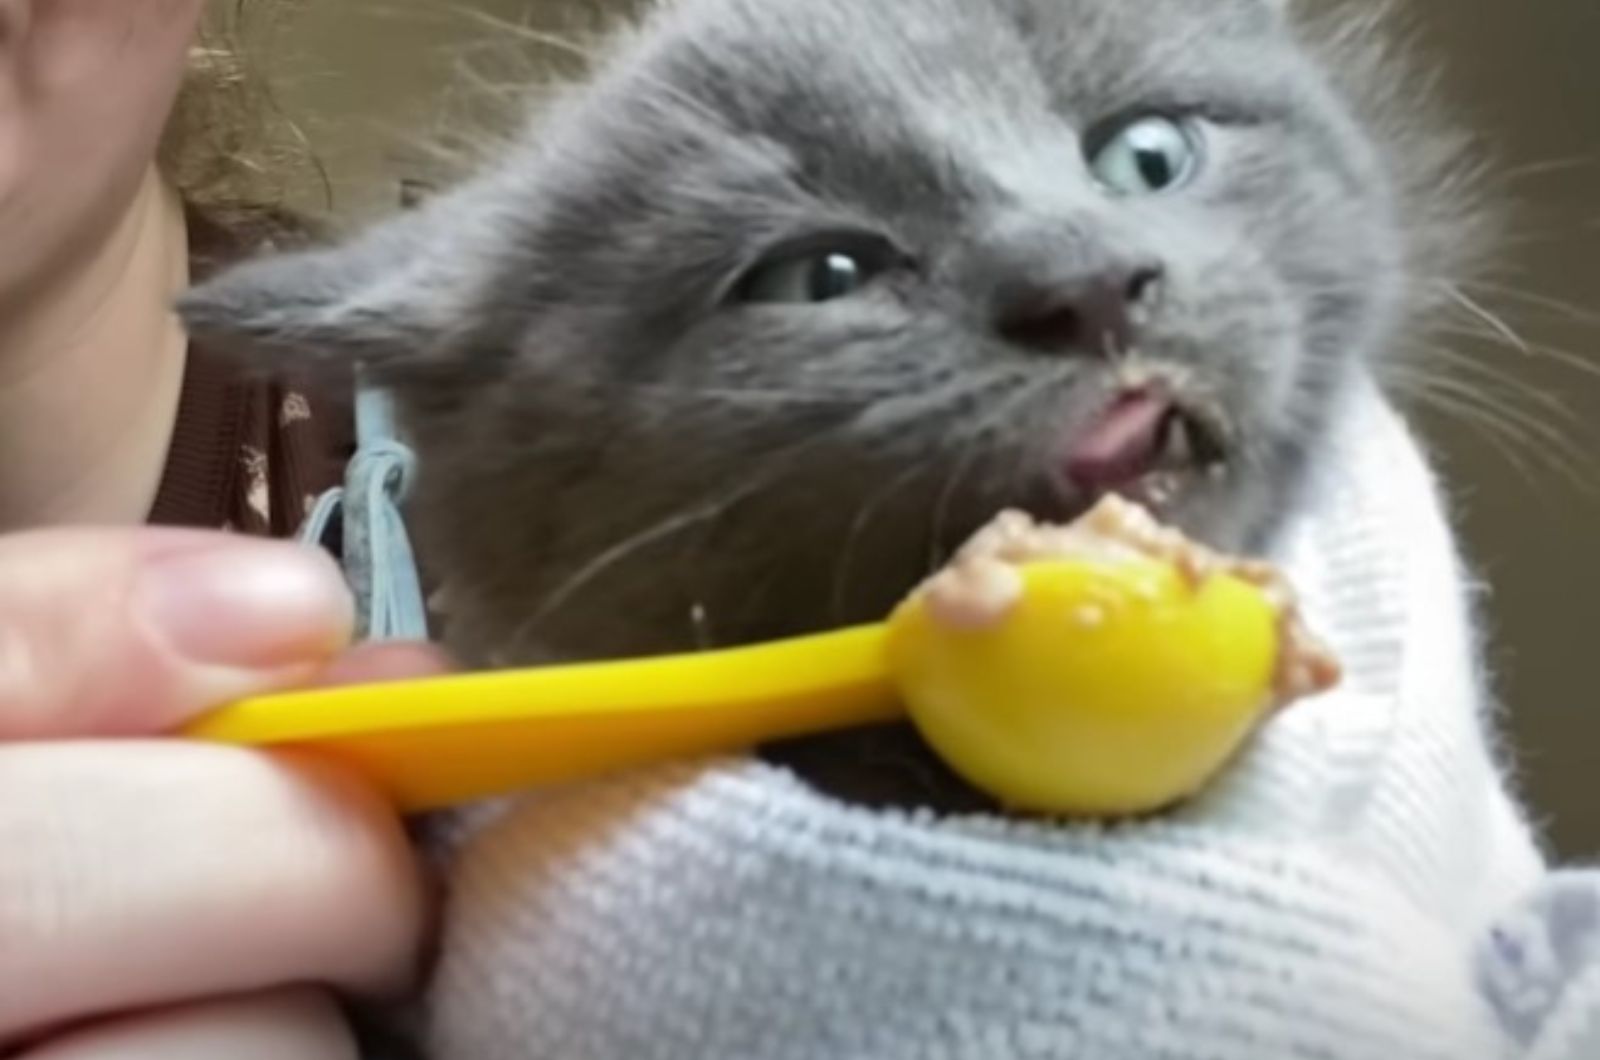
<point>90,358</point>
<point>273,874</point>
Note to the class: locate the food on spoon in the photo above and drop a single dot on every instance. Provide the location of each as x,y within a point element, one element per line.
<point>1110,667</point>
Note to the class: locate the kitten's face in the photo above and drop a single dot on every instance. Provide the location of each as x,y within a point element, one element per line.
<point>799,294</point>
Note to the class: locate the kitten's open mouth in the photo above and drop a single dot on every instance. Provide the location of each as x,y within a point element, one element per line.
<point>1146,445</point>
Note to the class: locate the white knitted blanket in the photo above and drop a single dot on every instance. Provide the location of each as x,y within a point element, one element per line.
<point>1337,896</point>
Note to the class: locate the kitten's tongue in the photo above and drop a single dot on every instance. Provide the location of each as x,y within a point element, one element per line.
<point>1120,445</point>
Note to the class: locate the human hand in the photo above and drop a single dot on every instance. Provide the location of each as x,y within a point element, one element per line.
<point>165,899</point>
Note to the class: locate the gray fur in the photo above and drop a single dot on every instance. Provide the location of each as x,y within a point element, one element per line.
<point>614,461</point>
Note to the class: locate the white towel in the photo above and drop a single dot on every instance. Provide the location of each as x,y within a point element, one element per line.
<point>1335,896</point>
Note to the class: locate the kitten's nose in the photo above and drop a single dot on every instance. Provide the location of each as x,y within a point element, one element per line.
<point>1099,314</point>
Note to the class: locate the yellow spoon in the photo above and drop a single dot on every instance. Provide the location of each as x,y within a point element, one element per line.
<point>444,741</point>
<point>1109,686</point>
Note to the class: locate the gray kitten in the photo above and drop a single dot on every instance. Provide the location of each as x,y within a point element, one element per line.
<point>754,327</point>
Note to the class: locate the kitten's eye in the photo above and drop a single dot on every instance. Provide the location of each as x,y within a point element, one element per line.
<point>817,275</point>
<point>1148,155</point>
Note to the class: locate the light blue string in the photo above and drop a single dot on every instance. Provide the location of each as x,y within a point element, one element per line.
<point>378,559</point>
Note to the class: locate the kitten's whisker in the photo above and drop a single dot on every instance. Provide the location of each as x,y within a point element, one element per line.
<point>1505,439</point>
<point>971,450</point>
<point>941,509</point>
<point>590,56</point>
<point>522,31</point>
<point>682,520</point>
<point>1552,165</point>
<point>525,84</point>
<point>1492,374</point>
<point>1567,359</point>
<point>1507,411</point>
<point>597,566</point>
<point>1480,312</point>
<point>843,398</point>
<point>889,413</point>
<point>964,388</point>
<point>1504,422</point>
<point>1565,309</point>
<point>858,527</point>
<point>777,465</point>
<point>1461,397</point>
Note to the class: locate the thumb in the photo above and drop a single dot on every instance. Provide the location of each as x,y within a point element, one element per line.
<point>131,632</point>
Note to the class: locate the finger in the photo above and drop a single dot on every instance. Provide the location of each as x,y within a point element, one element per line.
<point>135,874</point>
<point>375,663</point>
<point>287,1025</point>
<point>107,632</point>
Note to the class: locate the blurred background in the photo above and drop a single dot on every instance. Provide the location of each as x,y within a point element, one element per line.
<point>369,84</point>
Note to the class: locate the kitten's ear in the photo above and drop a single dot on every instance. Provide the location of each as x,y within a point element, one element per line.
<point>385,299</point>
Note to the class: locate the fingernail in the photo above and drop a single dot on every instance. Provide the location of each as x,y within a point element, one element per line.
<point>247,604</point>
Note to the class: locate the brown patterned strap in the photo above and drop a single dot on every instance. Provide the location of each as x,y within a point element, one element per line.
<point>251,453</point>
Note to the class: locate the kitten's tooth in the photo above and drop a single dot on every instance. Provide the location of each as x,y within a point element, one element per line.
<point>1161,488</point>
<point>1178,448</point>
